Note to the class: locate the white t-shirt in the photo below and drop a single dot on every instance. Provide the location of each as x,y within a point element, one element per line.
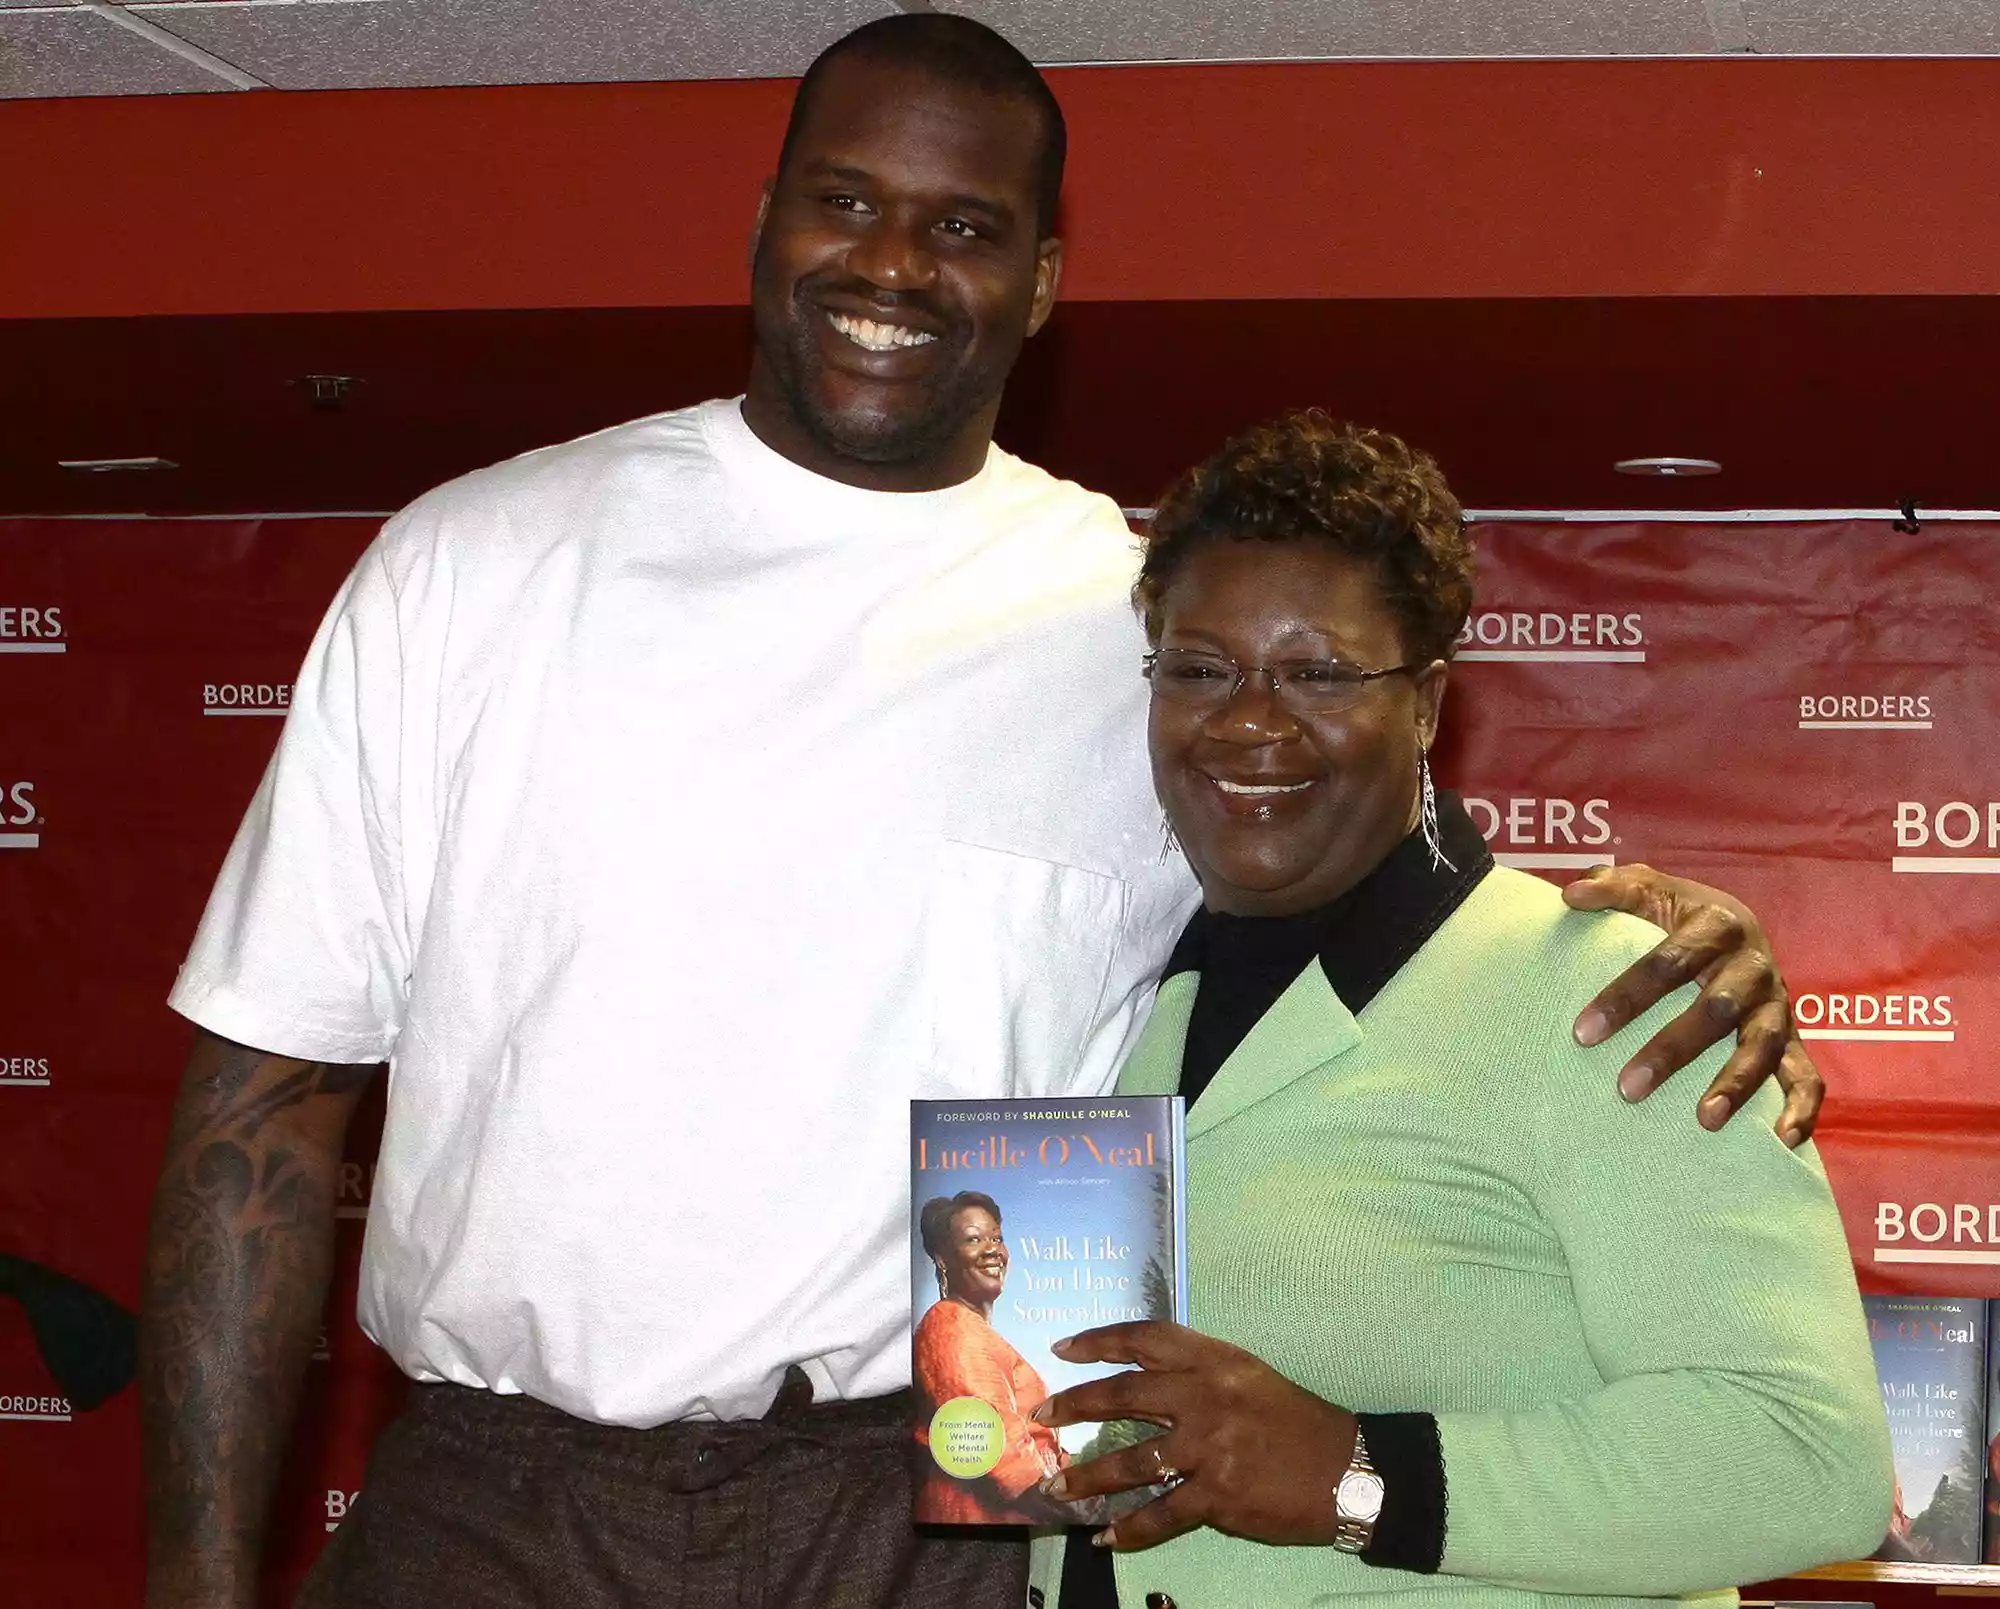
<point>669,816</point>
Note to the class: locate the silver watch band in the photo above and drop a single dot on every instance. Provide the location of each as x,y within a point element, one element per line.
<point>1357,1500</point>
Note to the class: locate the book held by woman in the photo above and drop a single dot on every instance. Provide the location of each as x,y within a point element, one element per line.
<point>1031,1220</point>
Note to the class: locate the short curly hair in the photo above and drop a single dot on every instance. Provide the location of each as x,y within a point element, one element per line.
<point>934,1222</point>
<point>1306,475</point>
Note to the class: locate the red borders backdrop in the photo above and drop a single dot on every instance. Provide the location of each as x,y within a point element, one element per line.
<point>1801,713</point>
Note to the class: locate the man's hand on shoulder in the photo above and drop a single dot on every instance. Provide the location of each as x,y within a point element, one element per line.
<point>1715,940</point>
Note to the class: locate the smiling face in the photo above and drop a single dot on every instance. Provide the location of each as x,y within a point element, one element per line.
<point>898,269</point>
<point>1279,812</point>
<point>975,1258</point>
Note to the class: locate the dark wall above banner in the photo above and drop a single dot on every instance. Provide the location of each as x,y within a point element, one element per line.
<point>1820,402</point>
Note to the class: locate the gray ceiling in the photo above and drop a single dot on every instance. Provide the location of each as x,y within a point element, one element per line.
<point>146,47</point>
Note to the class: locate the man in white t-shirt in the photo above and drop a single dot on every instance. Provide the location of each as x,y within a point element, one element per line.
<point>667,808</point>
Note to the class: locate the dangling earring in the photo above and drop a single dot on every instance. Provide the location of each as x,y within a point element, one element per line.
<point>1169,844</point>
<point>1428,810</point>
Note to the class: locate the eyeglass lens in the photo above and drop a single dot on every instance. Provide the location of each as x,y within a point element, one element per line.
<point>1210,681</point>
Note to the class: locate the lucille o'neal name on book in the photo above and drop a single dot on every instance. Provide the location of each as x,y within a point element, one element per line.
<point>996,1151</point>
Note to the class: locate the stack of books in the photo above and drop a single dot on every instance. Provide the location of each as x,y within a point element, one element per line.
<point>1938,1383</point>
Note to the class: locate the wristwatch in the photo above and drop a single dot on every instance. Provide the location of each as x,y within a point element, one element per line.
<point>1357,1501</point>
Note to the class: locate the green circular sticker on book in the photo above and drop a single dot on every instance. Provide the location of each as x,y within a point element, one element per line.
<point>967,1437</point>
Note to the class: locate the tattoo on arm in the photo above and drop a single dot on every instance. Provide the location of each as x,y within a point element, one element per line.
<point>237,1259</point>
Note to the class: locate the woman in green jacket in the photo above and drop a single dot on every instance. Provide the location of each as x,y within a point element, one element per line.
<point>1467,1328</point>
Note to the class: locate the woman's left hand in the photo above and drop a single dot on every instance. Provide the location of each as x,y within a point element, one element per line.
<point>1258,1456</point>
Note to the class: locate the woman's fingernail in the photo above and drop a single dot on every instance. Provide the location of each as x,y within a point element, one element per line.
<point>1041,1413</point>
<point>1061,1348</point>
<point>1590,1028</point>
<point>1056,1486</point>
<point>1104,1538</point>
<point>1792,1138</point>
<point>1714,1111</point>
<point>1636,1082</point>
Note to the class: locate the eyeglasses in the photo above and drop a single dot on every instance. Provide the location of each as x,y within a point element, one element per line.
<point>1203,681</point>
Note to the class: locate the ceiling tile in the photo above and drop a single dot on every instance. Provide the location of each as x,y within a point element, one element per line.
<point>50,52</point>
<point>365,44</point>
<point>1874,27</point>
<point>1196,30</point>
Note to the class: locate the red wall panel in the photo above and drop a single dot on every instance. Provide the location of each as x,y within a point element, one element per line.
<point>1286,181</point>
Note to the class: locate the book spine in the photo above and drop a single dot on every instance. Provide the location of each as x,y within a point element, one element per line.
<point>1973,1420</point>
<point>1177,1124</point>
<point>1991,1552</point>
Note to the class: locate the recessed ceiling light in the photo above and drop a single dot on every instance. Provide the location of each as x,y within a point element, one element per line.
<point>326,392</point>
<point>110,466</point>
<point>1668,466</point>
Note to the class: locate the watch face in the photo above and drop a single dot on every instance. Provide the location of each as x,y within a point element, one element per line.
<point>1359,1495</point>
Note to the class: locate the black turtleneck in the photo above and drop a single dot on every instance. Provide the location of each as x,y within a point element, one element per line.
<point>1360,940</point>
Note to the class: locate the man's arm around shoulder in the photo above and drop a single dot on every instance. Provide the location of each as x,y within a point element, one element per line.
<point>237,1260</point>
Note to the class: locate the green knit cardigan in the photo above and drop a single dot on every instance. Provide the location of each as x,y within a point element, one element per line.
<point>1642,1341</point>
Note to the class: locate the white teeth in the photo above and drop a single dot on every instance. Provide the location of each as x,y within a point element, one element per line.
<point>1244,787</point>
<point>877,337</point>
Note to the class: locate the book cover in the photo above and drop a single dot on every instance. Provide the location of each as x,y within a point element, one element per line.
<point>1031,1220</point>
<point>1930,1352</point>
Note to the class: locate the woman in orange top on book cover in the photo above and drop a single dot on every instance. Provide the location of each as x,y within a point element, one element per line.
<point>958,1353</point>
